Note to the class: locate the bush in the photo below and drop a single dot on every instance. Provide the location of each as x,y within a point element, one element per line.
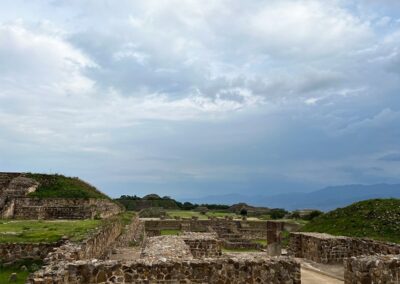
<point>277,213</point>
<point>152,213</point>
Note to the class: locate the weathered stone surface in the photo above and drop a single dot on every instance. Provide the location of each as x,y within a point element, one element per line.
<point>248,269</point>
<point>165,248</point>
<point>325,248</point>
<point>11,252</point>
<point>372,269</point>
<point>203,244</point>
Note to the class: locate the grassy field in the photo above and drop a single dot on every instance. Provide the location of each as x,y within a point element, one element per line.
<point>30,265</point>
<point>6,272</point>
<point>377,219</point>
<point>32,231</point>
<point>190,214</point>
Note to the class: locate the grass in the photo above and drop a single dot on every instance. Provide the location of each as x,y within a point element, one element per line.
<point>170,232</point>
<point>190,214</point>
<point>261,242</point>
<point>22,275</point>
<point>6,272</point>
<point>59,186</point>
<point>239,250</point>
<point>126,217</point>
<point>185,214</point>
<point>33,231</point>
<point>376,218</point>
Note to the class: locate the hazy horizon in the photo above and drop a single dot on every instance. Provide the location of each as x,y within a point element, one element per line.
<point>197,98</point>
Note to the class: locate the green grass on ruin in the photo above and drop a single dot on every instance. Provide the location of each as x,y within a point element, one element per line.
<point>261,242</point>
<point>22,275</point>
<point>190,214</point>
<point>49,231</point>
<point>36,231</point>
<point>170,232</point>
<point>239,250</point>
<point>376,219</point>
<point>59,186</point>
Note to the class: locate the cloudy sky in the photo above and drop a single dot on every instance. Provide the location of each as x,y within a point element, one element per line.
<point>202,97</point>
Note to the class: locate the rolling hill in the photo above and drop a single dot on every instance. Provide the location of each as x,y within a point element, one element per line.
<point>375,218</point>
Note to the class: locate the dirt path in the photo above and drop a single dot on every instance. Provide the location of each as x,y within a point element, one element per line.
<point>311,277</point>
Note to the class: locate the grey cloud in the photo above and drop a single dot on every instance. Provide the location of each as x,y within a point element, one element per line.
<point>393,157</point>
<point>202,96</point>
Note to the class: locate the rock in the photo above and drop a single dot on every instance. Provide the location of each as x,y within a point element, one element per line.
<point>13,277</point>
<point>24,268</point>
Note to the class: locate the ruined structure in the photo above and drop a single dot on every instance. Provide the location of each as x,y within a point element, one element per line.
<point>15,202</point>
<point>190,258</point>
<point>328,249</point>
<point>382,269</point>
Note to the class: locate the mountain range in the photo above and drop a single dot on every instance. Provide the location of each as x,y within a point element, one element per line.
<point>324,199</point>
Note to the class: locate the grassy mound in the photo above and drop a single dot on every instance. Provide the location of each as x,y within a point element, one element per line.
<point>376,218</point>
<point>52,186</point>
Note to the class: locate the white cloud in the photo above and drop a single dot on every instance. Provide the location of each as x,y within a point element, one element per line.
<point>34,60</point>
<point>178,90</point>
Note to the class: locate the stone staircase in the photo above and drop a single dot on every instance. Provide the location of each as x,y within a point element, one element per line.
<point>232,238</point>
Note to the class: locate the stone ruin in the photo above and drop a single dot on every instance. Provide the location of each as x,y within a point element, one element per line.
<point>233,234</point>
<point>197,257</point>
<point>188,258</point>
<point>365,261</point>
<point>16,203</point>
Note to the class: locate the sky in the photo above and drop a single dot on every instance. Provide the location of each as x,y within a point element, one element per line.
<point>202,97</point>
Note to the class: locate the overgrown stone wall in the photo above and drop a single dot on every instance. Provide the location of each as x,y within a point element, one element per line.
<point>15,203</point>
<point>325,248</point>
<point>60,208</point>
<point>95,246</point>
<point>133,233</point>
<point>372,269</point>
<point>11,252</point>
<point>218,270</point>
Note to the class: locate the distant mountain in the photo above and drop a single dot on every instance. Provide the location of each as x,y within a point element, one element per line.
<point>324,199</point>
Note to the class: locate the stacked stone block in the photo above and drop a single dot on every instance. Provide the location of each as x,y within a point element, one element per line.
<point>372,269</point>
<point>328,249</point>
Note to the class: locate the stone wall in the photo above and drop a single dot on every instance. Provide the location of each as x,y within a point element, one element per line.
<point>203,244</point>
<point>133,233</point>
<point>95,246</point>
<point>372,269</point>
<point>248,229</point>
<point>11,252</point>
<point>324,248</point>
<point>218,270</point>
<point>60,208</point>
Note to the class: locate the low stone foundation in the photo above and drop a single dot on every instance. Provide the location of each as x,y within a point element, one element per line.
<point>203,244</point>
<point>372,269</point>
<point>218,270</point>
<point>247,229</point>
<point>11,252</point>
<point>325,248</point>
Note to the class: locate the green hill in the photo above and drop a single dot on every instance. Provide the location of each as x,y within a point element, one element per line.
<point>53,186</point>
<point>376,218</point>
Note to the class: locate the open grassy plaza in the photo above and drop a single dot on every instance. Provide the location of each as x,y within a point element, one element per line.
<point>35,231</point>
